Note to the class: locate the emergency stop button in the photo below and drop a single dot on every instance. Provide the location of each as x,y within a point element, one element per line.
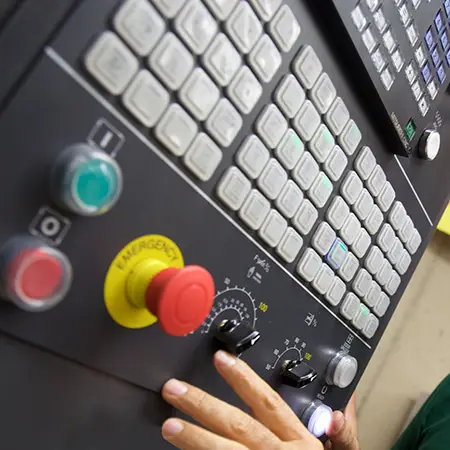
<point>35,277</point>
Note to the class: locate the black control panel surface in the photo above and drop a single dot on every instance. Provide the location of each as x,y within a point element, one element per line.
<point>74,377</point>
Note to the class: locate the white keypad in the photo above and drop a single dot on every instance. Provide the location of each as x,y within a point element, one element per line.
<point>387,78</point>
<point>351,187</point>
<point>386,197</point>
<point>411,73</point>
<point>384,273</point>
<point>289,96</point>
<point>417,91</point>
<point>376,181</point>
<point>337,116</point>
<point>389,41</point>
<point>365,163</point>
<point>395,251</point>
<point>266,8</point>
<point>382,305</point>
<point>245,90</point>
<point>380,20</point>
<point>350,138</point>
<point>361,318</point>
<point>393,283</point>
<point>290,149</point>
<point>244,27</point>
<point>265,58</point>
<point>397,60</point>
<point>403,263</point>
<point>337,213</point>
<point>254,210</point>
<point>432,89</point>
<point>309,265</point>
<point>362,283</point>
<point>361,243</point>
<point>323,238</point>
<point>253,156</point>
<point>306,217</point>
<point>369,39</point>
<point>146,98</point>
<point>323,280</point>
<point>140,25</point>
<point>111,63</point>
<point>284,28</point>
<point>196,26</point>
<point>350,230</point>
<point>386,237</point>
<point>307,121</point>
<point>306,171</point>
<point>371,327</point>
<point>290,245</point>
<point>322,144</point>
<point>359,19</point>
<point>221,8</point>
<point>307,67</point>
<point>233,188</point>
<point>169,8</point>
<point>350,306</point>
<point>272,179</point>
<point>414,243</point>
<point>171,61</point>
<point>224,123</point>
<point>289,200</point>
<point>321,190</point>
<point>374,220</point>
<point>373,296</point>
<point>363,205</point>
<point>378,59</point>
<point>222,60</point>
<point>336,292</point>
<point>203,157</point>
<point>349,268</point>
<point>337,254</point>
<point>323,93</point>
<point>273,228</point>
<point>372,4</point>
<point>335,164</point>
<point>407,230</point>
<point>420,56</point>
<point>374,260</point>
<point>397,216</point>
<point>199,94</point>
<point>176,130</point>
<point>271,126</point>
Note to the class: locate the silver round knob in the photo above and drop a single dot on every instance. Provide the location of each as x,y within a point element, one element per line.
<point>342,370</point>
<point>429,144</point>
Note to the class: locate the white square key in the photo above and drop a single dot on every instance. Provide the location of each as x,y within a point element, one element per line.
<point>373,296</point>
<point>395,251</point>
<point>146,98</point>
<point>254,210</point>
<point>371,327</point>
<point>350,306</point>
<point>348,269</point>
<point>322,281</point>
<point>111,63</point>
<point>336,292</point>
<point>284,28</point>
<point>337,213</point>
<point>374,260</point>
<point>290,149</point>
<point>309,264</point>
<point>382,305</point>
<point>322,144</point>
<point>253,156</point>
<point>289,200</point>
<point>290,245</point>
<point>376,181</point>
<point>363,205</point>
<point>337,116</point>
<point>169,8</point>
<point>323,93</point>
<point>233,188</point>
<point>374,220</point>
<point>335,164</point>
<point>350,138</point>
<point>386,237</point>
<point>362,283</point>
<point>403,263</point>
<point>361,244</point>
<point>221,8</point>
<point>224,123</point>
<point>350,230</point>
<point>307,121</point>
<point>321,190</point>
<point>222,60</point>
<point>289,96</point>
<point>361,318</point>
<point>176,130</point>
<point>196,26</point>
<point>306,217</point>
<point>245,90</point>
<point>365,163</point>
<point>414,243</point>
<point>307,67</point>
<point>397,216</point>
<point>171,61</point>
<point>271,125</point>
<point>306,171</point>
<point>140,25</point>
<point>199,94</point>
<point>384,274</point>
<point>406,231</point>
<point>393,283</point>
<point>266,8</point>
<point>323,238</point>
<point>244,27</point>
<point>272,179</point>
<point>386,197</point>
<point>273,228</point>
<point>351,187</point>
<point>203,157</point>
<point>265,59</point>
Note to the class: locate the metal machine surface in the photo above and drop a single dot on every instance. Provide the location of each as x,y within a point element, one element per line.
<point>247,140</point>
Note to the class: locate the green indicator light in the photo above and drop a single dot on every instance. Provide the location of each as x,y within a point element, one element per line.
<point>297,141</point>
<point>343,247</point>
<point>95,183</point>
<point>328,137</point>
<point>410,129</point>
<point>365,310</point>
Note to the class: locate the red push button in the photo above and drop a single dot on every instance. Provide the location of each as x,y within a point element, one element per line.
<point>181,298</point>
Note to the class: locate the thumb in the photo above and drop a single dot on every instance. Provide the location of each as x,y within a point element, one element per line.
<point>340,433</point>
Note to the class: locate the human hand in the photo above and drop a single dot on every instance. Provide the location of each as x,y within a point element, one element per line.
<point>274,425</point>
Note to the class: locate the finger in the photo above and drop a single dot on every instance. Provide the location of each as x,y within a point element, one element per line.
<point>186,436</point>
<point>267,406</point>
<point>218,416</point>
<point>340,433</point>
<point>350,414</point>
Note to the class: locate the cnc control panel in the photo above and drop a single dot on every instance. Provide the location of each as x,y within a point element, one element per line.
<point>180,176</point>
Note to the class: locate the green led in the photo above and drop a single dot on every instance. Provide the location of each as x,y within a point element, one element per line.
<point>297,142</point>
<point>410,129</point>
<point>365,310</point>
<point>329,137</point>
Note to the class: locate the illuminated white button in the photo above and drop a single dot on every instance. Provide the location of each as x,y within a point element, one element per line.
<point>318,418</point>
<point>290,149</point>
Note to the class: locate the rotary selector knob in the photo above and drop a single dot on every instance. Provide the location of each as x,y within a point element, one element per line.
<point>86,181</point>
<point>236,337</point>
<point>317,418</point>
<point>34,276</point>
<point>429,144</point>
<point>342,370</point>
<point>297,374</point>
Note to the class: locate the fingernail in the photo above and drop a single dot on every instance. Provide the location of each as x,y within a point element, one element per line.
<point>171,428</point>
<point>225,359</point>
<point>175,387</point>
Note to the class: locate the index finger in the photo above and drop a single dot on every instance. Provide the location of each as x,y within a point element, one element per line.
<point>266,404</point>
